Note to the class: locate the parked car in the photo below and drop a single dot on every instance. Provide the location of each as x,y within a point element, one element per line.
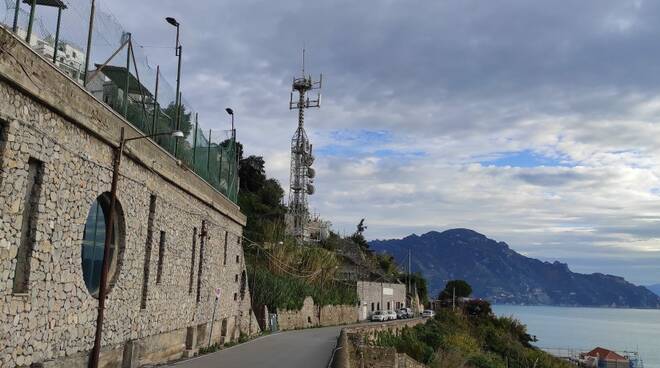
<point>391,314</point>
<point>428,313</point>
<point>404,313</point>
<point>379,316</point>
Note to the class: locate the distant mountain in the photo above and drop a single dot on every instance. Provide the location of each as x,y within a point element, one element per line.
<point>502,275</point>
<point>654,288</point>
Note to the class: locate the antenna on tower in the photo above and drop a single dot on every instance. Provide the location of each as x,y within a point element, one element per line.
<point>302,173</point>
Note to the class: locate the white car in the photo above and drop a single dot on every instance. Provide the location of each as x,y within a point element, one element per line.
<point>391,314</point>
<point>379,316</point>
<point>428,313</point>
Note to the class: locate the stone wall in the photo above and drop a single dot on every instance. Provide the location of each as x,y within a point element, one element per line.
<point>310,315</point>
<point>355,347</point>
<point>45,116</point>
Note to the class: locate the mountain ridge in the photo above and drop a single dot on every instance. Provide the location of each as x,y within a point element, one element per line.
<point>502,275</point>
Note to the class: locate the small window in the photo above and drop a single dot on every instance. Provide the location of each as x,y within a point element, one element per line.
<point>161,257</point>
<point>94,241</point>
<point>243,284</point>
<point>373,307</point>
<point>238,259</point>
<point>192,261</point>
<point>235,296</point>
<point>236,278</point>
<point>224,262</point>
<point>28,227</point>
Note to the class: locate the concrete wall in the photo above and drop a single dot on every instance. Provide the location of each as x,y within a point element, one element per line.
<point>375,295</point>
<point>45,116</point>
<point>310,315</point>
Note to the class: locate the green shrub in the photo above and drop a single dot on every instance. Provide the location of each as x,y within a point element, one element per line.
<point>289,292</point>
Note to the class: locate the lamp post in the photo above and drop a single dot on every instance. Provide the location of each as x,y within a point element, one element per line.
<point>230,111</point>
<point>109,228</point>
<point>177,52</point>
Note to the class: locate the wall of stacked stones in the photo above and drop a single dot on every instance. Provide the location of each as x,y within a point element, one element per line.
<point>311,315</point>
<point>56,317</point>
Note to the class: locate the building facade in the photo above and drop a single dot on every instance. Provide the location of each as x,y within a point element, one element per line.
<point>177,240</point>
<point>380,296</point>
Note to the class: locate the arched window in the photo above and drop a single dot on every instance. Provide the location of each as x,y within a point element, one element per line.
<point>94,240</point>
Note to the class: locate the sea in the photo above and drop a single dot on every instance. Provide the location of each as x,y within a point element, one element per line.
<point>582,329</point>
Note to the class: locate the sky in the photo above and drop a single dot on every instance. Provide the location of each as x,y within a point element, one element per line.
<point>532,122</point>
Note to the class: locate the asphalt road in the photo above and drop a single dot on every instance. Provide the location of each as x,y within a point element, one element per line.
<point>310,348</point>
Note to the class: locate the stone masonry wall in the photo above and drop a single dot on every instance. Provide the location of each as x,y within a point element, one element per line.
<point>47,117</point>
<point>358,348</point>
<point>310,316</point>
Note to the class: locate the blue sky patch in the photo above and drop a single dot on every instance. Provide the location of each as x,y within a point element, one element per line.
<point>525,158</point>
<point>358,143</point>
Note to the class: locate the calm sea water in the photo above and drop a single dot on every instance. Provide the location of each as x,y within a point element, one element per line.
<point>586,328</point>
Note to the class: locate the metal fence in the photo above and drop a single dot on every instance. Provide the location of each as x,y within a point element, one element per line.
<point>120,75</point>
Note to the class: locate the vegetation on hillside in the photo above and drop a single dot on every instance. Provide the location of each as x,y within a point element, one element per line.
<point>282,272</point>
<point>454,339</point>
<point>261,200</point>
<point>471,336</point>
<point>455,288</point>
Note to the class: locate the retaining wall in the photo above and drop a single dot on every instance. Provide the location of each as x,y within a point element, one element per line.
<point>311,315</point>
<point>159,300</point>
<point>355,347</point>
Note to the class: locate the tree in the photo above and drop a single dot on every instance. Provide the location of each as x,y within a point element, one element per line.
<point>418,281</point>
<point>458,288</point>
<point>358,238</point>
<point>260,199</point>
<point>477,308</point>
<point>252,173</point>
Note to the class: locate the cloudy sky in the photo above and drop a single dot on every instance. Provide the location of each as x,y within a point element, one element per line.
<point>533,122</point>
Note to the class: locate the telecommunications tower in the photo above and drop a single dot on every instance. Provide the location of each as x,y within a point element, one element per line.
<point>302,173</point>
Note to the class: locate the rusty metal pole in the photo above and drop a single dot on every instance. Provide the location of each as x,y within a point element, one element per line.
<point>109,226</point>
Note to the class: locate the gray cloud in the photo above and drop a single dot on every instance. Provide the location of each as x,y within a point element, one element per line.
<point>453,82</point>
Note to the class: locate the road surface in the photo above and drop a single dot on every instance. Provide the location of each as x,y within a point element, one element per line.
<point>310,348</point>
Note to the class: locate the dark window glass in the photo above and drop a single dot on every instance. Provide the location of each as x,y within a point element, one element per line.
<point>93,242</point>
<point>161,257</point>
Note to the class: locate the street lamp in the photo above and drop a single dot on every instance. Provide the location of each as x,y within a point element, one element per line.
<point>177,52</point>
<point>109,226</point>
<point>231,112</point>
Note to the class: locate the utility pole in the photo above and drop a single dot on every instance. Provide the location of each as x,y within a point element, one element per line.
<point>409,291</point>
<point>453,299</point>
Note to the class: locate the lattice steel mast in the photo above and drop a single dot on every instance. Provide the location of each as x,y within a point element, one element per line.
<point>302,173</point>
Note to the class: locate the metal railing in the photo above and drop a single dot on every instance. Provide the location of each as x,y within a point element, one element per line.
<point>121,76</point>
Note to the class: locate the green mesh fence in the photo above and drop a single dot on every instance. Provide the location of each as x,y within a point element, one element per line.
<point>127,83</point>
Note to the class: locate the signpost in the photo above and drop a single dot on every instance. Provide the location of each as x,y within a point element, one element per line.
<point>217,298</point>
